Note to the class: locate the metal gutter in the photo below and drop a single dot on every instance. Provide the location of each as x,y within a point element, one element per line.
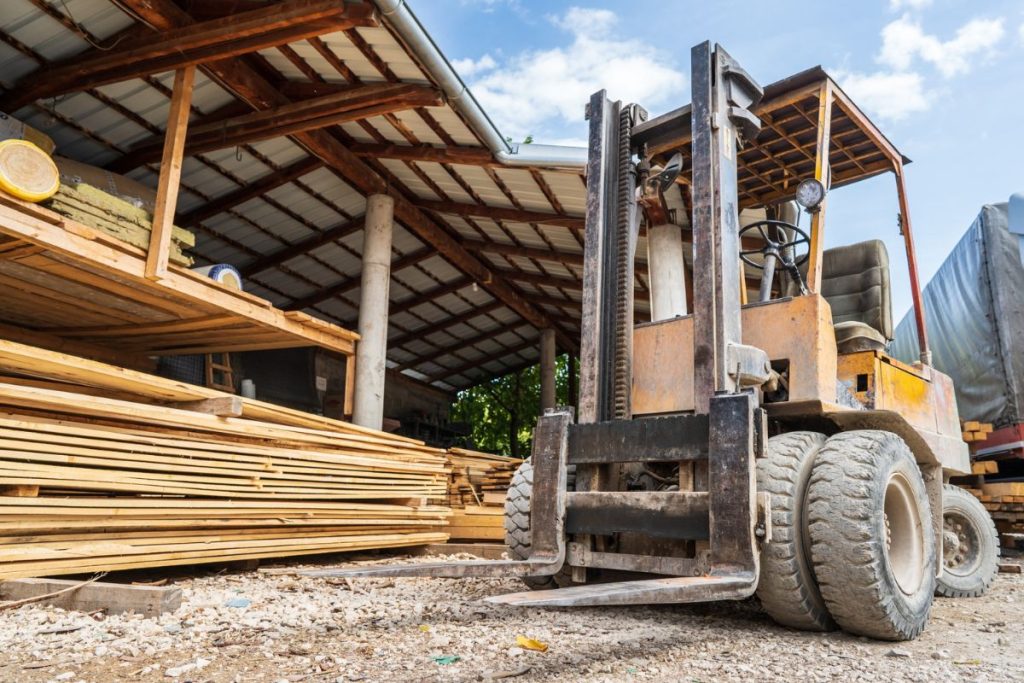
<point>401,18</point>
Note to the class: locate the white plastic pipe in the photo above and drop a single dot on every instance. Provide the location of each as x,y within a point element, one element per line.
<point>371,349</point>
<point>667,271</point>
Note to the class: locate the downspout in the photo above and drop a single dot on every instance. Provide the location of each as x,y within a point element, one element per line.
<point>409,28</point>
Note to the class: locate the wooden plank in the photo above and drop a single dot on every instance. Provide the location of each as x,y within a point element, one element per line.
<point>219,405</point>
<point>170,174</point>
<point>111,598</point>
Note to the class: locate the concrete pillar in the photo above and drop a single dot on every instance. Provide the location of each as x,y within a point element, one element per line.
<point>371,349</point>
<point>667,271</point>
<point>547,369</point>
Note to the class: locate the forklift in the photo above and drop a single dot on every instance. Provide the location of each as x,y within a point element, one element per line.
<point>763,442</point>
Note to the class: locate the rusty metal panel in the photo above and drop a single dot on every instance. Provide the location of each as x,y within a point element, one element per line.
<point>732,490</point>
<point>797,330</point>
<point>654,439</point>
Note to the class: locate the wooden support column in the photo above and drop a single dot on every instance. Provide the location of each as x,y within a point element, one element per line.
<point>548,395</point>
<point>915,282</point>
<point>822,173</point>
<point>170,174</point>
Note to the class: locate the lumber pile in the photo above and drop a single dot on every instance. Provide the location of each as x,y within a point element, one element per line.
<point>107,468</point>
<point>976,431</point>
<point>476,494</point>
<point>117,218</point>
<point>1004,501</point>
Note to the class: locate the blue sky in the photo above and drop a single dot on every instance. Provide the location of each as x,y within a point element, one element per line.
<point>944,79</point>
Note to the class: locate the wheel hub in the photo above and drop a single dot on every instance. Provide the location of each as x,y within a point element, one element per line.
<point>959,544</point>
<point>904,534</point>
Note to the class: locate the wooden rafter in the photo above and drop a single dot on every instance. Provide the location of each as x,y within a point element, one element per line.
<point>421,333</point>
<point>502,214</point>
<point>350,283</point>
<point>463,343</point>
<point>302,247</point>
<point>191,44</point>
<point>468,156</point>
<point>354,104</point>
<point>269,182</point>
<point>490,358</point>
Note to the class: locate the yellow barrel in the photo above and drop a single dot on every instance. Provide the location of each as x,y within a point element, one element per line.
<point>26,171</point>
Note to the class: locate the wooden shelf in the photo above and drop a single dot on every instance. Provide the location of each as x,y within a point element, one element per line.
<point>65,280</point>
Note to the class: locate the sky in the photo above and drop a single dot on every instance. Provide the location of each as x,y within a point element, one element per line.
<point>943,79</point>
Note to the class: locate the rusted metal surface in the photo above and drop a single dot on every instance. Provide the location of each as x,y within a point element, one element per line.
<point>659,439</point>
<point>661,514</point>
<point>683,589</point>
<point>797,332</point>
<point>732,492</point>
<point>580,556</point>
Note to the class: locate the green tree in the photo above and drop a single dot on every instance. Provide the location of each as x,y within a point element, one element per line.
<point>502,412</point>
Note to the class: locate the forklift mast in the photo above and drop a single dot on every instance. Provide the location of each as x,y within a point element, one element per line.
<point>701,542</point>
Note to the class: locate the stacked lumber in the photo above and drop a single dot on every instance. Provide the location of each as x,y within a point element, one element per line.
<point>116,217</point>
<point>476,494</point>
<point>976,431</point>
<point>108,468</point>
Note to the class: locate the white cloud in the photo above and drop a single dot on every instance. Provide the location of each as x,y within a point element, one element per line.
<point>910,4</point>
<point>472,67</point>
<point>904,40</point>
<point>533,87</point>
<point>890,95</point>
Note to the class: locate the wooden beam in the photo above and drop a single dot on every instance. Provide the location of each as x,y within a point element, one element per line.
<point>454,347</point>
<point>427,330</point>
<point>225,406</point>
<point>480,362</point>
<point>270,181</point>
<point>348,284</point>
<point>246,83</point>
<point>170,175</point>
<point>353,104</point>
<point>469,156</point>
<point>502,214</point>
<point>190,44</point>
<point>305,246</point>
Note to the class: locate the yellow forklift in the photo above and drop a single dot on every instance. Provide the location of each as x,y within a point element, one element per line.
<point>755,436</point>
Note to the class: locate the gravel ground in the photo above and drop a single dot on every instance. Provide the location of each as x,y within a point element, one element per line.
<point>260,626</point>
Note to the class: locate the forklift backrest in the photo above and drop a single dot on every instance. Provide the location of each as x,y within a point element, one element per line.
<point>855,282</point>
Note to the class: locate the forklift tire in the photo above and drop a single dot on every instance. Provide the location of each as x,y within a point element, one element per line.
<point>517,528</point>
<point>872,541</point>
<point>787,588</point>
<point>970,546</point>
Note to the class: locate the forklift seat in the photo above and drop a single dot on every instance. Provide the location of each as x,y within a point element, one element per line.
<point>855,282</point>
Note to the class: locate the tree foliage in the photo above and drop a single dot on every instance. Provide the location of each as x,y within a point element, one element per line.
<point>502,412</point>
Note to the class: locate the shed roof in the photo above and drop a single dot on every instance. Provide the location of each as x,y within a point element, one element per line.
<point>483,253</point>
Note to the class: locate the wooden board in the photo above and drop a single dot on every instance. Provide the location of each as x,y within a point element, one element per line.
<point>112,598</point>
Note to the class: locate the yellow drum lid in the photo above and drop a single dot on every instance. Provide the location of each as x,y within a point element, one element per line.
<point>26,171</point>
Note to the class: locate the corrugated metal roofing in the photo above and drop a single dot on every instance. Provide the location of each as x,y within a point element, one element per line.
<point>100,125</point>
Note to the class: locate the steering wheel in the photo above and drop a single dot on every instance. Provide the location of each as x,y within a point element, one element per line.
<point>779,249</point>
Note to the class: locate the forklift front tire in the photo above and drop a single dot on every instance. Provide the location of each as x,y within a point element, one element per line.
<point>787,588</point>
<point>872,541</point>
<point>970,546</point>
<point>517,528</point>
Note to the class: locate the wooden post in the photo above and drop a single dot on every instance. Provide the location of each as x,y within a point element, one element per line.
<point>350,385</point>
<point>170,174</point>
<point>915,283</point>
<point>822,173</point>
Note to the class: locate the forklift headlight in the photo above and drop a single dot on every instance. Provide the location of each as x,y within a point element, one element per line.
<point>810,194</point>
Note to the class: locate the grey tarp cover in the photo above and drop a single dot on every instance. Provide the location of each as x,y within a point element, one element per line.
<point>974,308</point>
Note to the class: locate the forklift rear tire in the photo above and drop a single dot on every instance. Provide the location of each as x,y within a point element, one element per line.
<point>517,528</point>
<point>787,588</point>
<point>970,546</point>
<point>872,541</point>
